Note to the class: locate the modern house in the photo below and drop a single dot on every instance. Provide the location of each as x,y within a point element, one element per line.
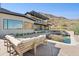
<point>40,21</point>
<point>12,22</point>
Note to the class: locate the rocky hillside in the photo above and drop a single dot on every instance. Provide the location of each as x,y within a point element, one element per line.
<point>62,23</point>
<point>56,21</point>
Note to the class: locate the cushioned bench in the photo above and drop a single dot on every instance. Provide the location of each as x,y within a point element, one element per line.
<point>22,45</point>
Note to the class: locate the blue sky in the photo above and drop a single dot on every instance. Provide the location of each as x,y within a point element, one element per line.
<point>70,11</point>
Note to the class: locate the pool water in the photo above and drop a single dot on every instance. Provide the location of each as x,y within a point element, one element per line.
<point>67,39</point>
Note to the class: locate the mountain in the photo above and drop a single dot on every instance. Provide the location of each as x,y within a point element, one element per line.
<point>52,16</point>
<point>56,21</point>
<point>62,23</point>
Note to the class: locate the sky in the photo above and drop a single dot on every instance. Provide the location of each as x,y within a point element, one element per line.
<point>68,10</point>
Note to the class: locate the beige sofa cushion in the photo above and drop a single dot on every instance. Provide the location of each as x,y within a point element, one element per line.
<point>12,40</point>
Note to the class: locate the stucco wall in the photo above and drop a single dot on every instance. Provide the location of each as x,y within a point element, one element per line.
<point>6,16</point>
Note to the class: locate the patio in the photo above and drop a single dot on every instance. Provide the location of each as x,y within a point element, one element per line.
<point>50,49</point>
<point>42,50</point>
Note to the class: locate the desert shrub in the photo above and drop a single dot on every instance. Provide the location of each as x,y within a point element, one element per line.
<point>76,30</point>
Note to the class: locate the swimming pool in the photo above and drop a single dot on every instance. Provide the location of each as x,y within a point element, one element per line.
<point>67,39</point>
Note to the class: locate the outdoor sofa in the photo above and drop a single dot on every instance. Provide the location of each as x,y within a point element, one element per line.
<point>21,45</point>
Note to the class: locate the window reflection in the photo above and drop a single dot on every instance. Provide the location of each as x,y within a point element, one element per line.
<point>12,24</point>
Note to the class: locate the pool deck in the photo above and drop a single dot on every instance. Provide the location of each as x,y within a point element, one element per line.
<point>71,50</point>
<point>45,50</point>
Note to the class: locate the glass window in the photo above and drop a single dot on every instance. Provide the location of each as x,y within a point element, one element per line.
<point>12,24</point>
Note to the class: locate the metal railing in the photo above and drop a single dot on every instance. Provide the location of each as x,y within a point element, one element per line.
<point>40,22</point>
